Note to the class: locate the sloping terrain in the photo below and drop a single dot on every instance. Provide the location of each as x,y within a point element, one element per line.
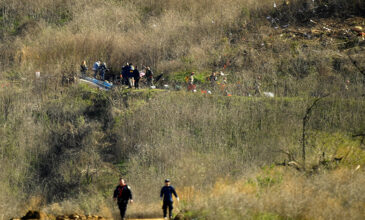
<point>280,135</point>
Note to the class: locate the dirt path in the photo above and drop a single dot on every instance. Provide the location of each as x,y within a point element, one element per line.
<point>144,218</point>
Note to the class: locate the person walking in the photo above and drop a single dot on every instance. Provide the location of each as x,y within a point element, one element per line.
<point>83,68</point>
<point>122,194</point>
<point>136,76</point>
<point>166,196</point>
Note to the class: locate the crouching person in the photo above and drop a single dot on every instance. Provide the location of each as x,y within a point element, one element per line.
<point>166,196</point>
<point>122,194</point>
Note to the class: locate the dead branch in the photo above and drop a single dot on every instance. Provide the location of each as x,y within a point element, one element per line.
<point>305,120</point>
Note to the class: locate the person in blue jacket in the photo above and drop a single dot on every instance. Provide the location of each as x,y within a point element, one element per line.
<point>166,196</point>
<point>122,194</point>
<point>102,70</point>
<point>96,68</point>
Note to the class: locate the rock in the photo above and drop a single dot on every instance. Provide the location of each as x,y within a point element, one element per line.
<point>35,215</point>
<point>179,216</point>
<point>269,94</point>
<point>62,217</point>
<point>40,215</point>
<point>74,216</point>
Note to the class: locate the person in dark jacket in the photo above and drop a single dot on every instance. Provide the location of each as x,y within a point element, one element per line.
<point>125,70</point>
<point>136,76</point>
<point>166,196</point>
<point>83,68</point>
<point>149,76</point>
<point>122,194</point>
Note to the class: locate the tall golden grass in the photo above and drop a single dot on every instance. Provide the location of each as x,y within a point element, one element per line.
<point>63,148</point>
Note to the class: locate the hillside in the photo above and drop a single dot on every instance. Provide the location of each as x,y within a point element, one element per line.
<point>232,153</point>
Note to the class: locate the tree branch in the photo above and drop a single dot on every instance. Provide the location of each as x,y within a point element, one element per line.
<point>305,120</point>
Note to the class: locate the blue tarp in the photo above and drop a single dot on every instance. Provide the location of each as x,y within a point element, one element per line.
<point>99,83</point>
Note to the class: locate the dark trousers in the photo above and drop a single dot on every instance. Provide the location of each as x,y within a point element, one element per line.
<point>150,81</point>
<point>102,75</point>
<point>83,73</point>
<point>136,83</point>
<point>125,81</point>
<point>164,207</point>
<point>122,205</point>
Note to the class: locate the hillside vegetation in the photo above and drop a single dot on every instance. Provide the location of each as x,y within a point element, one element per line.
<point>299,155</point>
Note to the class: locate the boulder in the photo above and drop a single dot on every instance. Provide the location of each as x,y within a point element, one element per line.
<point>31,214</point>
<point>179,216</point>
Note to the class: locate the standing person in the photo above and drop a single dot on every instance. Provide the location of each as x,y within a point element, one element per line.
<point>103,69</point>
<point>213,79</point>
<point>136,77</point>
<point>191,85</point>
<point>166,196</point>
<point>149,76</point>
<point>122,194</point>
<point>96,68</point>
<point>191,79</point>
<point>130,75</point>
<point>125,70</point>
<point>83,68</point>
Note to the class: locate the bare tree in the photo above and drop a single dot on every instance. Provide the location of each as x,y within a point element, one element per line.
<point>305,121</point>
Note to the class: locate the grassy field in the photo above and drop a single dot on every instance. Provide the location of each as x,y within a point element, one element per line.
<point>63,146</point>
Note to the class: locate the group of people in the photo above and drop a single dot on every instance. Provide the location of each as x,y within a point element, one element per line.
<point>99,69</point>
<point>129,75</point>
<point>123,193</point>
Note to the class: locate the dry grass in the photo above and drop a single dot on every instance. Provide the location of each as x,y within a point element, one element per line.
<point>334,195</point>
<point>208,146</point>
<point>70,144</point>
<point>175,36</point>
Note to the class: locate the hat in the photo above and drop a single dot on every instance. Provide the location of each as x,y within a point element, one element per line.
<point>167,180</point>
